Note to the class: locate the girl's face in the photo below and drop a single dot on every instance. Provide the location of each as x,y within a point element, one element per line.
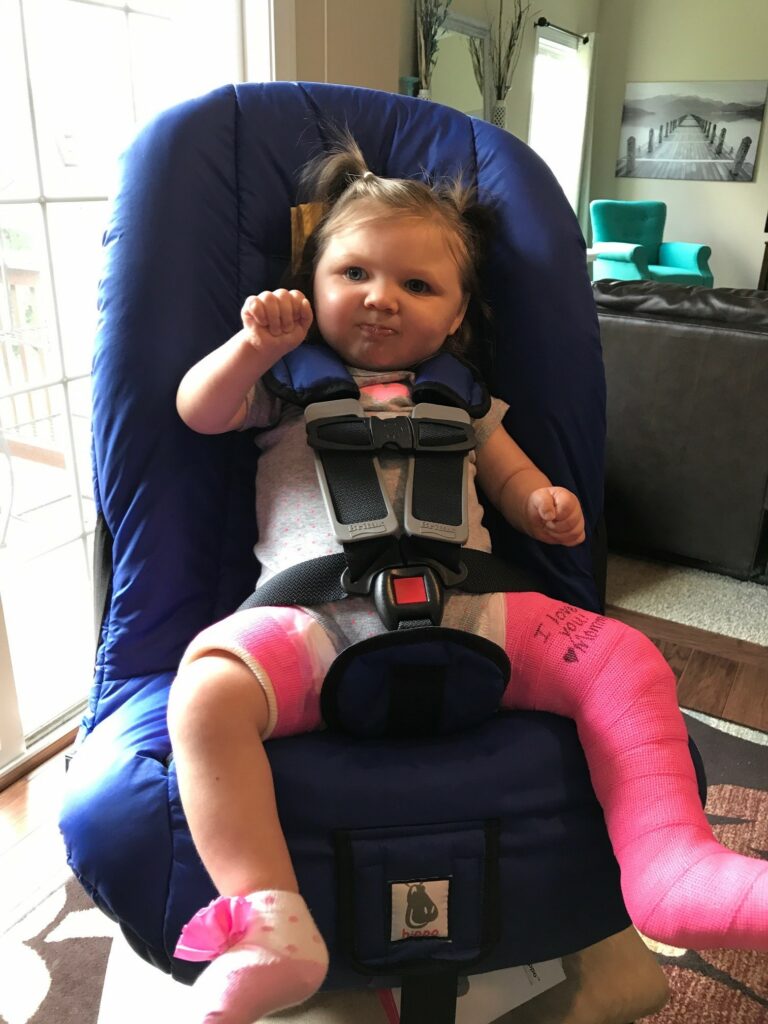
<point>388,292</point>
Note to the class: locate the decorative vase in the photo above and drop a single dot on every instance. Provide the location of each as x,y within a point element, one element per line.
<point>424,94</point>
<point>499,113</point>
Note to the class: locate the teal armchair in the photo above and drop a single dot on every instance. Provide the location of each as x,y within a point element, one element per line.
<point>628,246</point>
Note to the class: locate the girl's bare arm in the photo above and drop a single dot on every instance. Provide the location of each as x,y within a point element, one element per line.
<point>525,496</point>
<point>211,398</point>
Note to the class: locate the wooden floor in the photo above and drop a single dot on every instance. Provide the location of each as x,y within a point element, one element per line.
<point>716,675</point>
<point>32,858</point>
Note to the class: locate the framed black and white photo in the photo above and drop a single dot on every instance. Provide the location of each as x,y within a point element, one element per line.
<point>698,131</point>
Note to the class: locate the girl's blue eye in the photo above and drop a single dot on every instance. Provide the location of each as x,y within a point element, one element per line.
<point>417,286</point>
<point>354,274</point>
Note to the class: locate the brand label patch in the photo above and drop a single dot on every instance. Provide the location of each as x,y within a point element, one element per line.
<point>420,909</point>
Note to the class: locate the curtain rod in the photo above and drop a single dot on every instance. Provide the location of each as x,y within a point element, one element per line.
<point>544,23</point>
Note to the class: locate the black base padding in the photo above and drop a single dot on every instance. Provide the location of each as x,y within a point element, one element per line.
<point>429,997</point>
<point>416,682</point>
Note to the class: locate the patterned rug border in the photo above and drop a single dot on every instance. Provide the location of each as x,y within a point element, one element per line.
<point>61,946</point>
<point>729,727</point>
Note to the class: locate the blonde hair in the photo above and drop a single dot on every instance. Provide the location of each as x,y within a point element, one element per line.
<point>348,192</point>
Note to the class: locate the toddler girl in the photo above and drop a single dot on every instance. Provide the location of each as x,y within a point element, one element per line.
<point>393,272</point>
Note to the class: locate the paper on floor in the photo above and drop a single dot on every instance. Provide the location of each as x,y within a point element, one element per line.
<point>497,992</point>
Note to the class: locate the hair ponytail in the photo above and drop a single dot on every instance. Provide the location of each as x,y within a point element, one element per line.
<point>326,178</point>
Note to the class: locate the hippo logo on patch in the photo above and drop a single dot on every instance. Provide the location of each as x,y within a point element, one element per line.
<point>420,909</point>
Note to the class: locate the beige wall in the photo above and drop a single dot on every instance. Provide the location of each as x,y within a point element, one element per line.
<point>371,43</point>
<point>688,40</point>
<point>352,42</point>
<point>408,60</point>
<point>577,15</point>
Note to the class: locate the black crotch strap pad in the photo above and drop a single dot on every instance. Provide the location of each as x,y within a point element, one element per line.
<point>424,681</point>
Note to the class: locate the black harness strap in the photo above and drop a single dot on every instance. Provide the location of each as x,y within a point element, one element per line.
<point>436,493</point>
<point>436,438</point>
<point>319,580</point>
<point>437,441</point>
<point>353,485</point>
<point>437,489</point>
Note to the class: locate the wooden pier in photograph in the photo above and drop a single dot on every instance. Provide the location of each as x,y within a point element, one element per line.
<point>689,147</point>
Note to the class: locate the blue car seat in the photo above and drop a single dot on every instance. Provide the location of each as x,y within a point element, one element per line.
<point>505,810</point>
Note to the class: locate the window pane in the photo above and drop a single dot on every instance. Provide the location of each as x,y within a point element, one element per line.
<point>48,610</point>
<point>96,68</point>
<point>80,412</point>
<point>44,509</point>
<point>29,351</point>
<point>165,54</point>
<point>76,231</point>
<point>558,111</point>
<point>165,8</point>
<point>18,172</point>
<point>152,52</point>
<point>81,87</point>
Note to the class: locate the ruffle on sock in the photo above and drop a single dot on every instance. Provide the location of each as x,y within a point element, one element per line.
<point>215,929</point>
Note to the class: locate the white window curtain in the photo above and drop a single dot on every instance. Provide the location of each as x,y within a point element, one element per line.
<point>560,104</point>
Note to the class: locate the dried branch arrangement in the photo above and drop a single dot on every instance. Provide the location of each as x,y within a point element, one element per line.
<point>430,15</point>
<point>476,53</point>
<point>505,46</point>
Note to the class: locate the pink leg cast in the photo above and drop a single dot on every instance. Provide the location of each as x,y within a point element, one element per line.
<point>288,652</point>
<point>679,884</point>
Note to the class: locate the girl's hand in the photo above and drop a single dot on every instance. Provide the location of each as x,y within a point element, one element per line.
<point>554,516</point>
<point>276,320</point>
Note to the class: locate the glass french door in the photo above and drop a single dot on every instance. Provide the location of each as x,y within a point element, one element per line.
<point>76,78</point>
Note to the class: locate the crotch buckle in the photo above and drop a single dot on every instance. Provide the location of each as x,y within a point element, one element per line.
<point>408,594</point>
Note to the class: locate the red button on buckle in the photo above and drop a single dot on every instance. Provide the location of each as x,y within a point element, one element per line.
<point>409,590</point>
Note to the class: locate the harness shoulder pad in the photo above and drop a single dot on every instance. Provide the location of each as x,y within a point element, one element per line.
<point>311,373</point>
<point>445,379</point>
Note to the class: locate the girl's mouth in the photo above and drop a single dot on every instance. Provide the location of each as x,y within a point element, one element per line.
<point>376,330</point>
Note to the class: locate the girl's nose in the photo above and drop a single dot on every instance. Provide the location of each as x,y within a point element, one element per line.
<point>381,295</point>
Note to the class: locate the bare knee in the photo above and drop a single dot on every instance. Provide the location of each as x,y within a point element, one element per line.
<point>213,693</point>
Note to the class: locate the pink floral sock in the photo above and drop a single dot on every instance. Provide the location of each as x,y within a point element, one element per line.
<point>679,884</point>
<point>267,952</point>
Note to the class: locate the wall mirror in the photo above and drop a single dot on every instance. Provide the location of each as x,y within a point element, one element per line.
<point>454,77</point>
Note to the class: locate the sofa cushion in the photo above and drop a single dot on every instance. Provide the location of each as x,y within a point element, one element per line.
<point>687,418</point>
<point>742,307</point>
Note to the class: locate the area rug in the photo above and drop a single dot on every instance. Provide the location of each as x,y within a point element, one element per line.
<point>723,986</point>
<point>704,600</point>
<point>53,961</point>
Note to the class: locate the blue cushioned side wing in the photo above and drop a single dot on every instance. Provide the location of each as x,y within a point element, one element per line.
<point>548,357</point>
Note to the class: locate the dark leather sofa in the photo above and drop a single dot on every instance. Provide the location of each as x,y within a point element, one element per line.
<point>687,448</point>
